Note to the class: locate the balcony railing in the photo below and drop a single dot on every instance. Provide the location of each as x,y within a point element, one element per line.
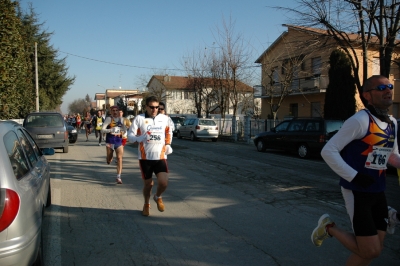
<point>300,85</point>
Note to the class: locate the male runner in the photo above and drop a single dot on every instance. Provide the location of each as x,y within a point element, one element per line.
<point>114,128</point>
<point>358,153</point>
<point>154,134</point>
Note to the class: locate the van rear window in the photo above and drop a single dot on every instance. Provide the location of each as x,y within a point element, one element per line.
<point>44,121</point>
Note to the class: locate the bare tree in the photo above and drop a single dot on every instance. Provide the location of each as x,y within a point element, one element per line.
<point>355,24</point>
<point>282,68</point>
<point>235,57</point>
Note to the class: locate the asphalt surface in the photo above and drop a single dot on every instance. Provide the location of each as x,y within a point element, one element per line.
<point>226,204</point>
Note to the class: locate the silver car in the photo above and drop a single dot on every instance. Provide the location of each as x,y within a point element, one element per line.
<point>25,191</point>
<point>198,128</point>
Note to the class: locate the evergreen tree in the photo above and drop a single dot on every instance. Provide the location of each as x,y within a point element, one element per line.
<point>53,80</point>
<point>122,105</point>
<point>340,102</point>
<point>16,88</point>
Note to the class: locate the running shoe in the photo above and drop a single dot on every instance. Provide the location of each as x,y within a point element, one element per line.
<point>160,204</point>
<point>320,233</point>
<point>87,140</point>
<point>392,220</point>
<point>99,144</point>
<point>146,209</point>
<point>119,181</point>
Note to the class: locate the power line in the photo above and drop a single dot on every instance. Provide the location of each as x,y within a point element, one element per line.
<point>125,65</point>
<point>118,64</point>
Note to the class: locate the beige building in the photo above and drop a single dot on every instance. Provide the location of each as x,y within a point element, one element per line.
<point>297,64</point>
<point>178,94</point>
<point>112,96</point>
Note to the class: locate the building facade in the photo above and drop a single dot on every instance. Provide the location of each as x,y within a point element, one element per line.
<point>295,68</point>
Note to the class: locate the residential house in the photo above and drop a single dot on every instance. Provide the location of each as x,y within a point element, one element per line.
<point>299,61</point>
<point>112,96</point>
<point>100,101</point>
<point>178,94</point>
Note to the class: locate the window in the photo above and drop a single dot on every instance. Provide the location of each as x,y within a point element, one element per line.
<point>284,67</point>
<point>316,64</point>
<point>294,109</point>
<point>376,66</point>
<point>185,95</point>
<point>275,75</point>
<point>30,153</point>
<point>316,109</point>
<point>313,126</point>
<point>282,126</point>
<point>16,155</point>
<point>296,126</point>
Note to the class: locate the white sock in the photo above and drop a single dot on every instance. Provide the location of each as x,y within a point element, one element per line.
<point>119,176</point>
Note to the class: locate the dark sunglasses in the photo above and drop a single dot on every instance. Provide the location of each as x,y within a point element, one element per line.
<point>383,87</point>
<point>153,107</point>
<point>161,109</point>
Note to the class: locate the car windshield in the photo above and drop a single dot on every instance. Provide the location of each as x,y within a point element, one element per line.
<point>207,123</point>
<point>43,121</point>
<point>178,119</point>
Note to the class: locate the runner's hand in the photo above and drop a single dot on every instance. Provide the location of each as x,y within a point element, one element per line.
<point>168,149</point>
<point>363,180</point>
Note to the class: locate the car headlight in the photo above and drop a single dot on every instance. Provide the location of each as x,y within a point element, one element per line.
<point>74,131</point>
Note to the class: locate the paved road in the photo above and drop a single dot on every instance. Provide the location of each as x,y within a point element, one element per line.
<point>226,204</point>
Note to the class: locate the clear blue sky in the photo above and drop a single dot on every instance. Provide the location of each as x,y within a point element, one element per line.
<point>146,35</point>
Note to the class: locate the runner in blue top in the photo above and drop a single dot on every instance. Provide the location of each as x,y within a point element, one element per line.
<point>358,153</point>
<point>114,128</point>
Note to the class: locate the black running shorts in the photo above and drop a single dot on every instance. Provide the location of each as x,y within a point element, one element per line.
<point>368,211</point>
<point>148,167</point>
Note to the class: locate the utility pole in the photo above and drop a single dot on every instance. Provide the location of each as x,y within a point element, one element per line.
<point>36,79</point>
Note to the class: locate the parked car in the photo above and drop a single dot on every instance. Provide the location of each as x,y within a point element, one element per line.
<point>305,136</point>
<point>198,128</point>
<point>25,191</point>
<point>178,122</point>
<point>72,134</point>
<point>48,129</point>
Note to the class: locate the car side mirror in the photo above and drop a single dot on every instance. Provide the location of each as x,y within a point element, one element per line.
<point>48,151</point>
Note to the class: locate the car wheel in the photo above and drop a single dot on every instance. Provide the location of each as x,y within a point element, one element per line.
<point>192,137</point>
<point>260,146</point>
<point>178,134</point>
<point>214,140</point>
<point>303,151</point>
<point>48,202</point>
<point>65,149</point>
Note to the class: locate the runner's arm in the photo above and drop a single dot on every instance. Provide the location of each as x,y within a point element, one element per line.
<point>105,125</point>
<point>351,129</point>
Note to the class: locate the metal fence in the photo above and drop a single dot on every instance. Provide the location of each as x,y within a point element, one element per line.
<point>256,126</point>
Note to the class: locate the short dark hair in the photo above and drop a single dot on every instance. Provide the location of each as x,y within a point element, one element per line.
<point>151,99</point>
<point>161,103</point>
<point>368,84</point>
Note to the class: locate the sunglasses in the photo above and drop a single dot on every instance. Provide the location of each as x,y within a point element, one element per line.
<point>161,109</point>
<point>153,107</point>
<point>383,87</point>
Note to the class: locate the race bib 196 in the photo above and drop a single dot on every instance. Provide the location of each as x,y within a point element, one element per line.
<point>377,159</point>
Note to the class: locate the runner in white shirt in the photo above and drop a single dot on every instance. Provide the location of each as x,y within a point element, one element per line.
<point>154,134</point>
